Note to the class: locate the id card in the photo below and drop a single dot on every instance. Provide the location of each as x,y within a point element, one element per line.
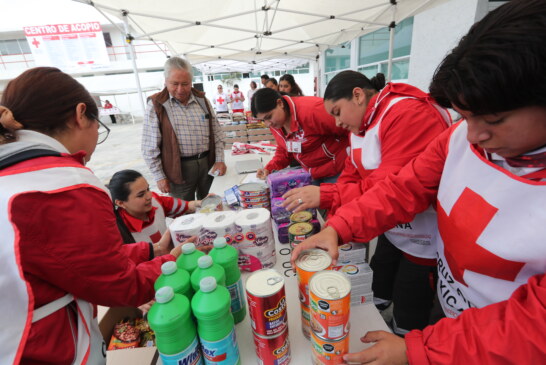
<point>293,146</point>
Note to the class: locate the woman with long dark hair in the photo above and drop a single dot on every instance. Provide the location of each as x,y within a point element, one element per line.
<point>288,85</point>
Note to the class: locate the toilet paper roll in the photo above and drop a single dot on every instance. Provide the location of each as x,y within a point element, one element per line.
<point>217,224</point>
<point>255,227</point>
<point>186,226</point>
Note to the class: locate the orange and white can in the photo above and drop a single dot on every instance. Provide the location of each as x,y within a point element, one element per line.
<point>308,263</point>
<point>330,298</point>
<point>328,352</point>
<point>306,321</point>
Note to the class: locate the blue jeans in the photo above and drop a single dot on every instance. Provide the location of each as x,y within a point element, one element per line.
<point>324,180</point>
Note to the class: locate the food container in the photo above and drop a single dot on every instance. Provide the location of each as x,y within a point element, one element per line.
<point>299,232</point>
<point>267,302</point>
<point>212,203</point>
<point>308,263</point>
<point>328,352</point>
<point>300,217</point>
<point>253,190</point>
<point>273,350</point>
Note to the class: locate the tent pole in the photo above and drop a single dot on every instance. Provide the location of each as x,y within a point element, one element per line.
<point>392,27</point>
<point>129,40</point>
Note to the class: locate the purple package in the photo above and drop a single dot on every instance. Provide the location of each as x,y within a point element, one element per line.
<point>281,181</point>
<point>279,214</point>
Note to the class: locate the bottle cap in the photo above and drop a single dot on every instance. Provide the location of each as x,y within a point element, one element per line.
<point>204,261</point>
<point>207,284</point>
<point>168,268</point>
<point>220,242</point>
<point>164,294</point>
<point>188,248</point>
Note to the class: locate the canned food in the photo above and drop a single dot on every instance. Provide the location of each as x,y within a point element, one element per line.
<point>273,350</point>
<point>211,204</point>
<point>266,302</point>
<point>265,205</point>
<point>328,352</point>
<point>301,217</point>
<point>330,296</point>
<point>299,232</point>
<point>305,321</point>
<point>255,199</point>
<point>307,264</point>
<point>253,189</point>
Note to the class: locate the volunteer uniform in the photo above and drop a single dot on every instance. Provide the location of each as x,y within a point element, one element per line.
<point>61,250</point>
<point>220,102</point>
<point>237,102</point>
<point>153,229</point>
<point>399,123</point>
<point>313,140</point>
<point>491,251</point>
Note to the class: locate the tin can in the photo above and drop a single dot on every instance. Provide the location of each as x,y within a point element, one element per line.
<point>307,264</point>
<point>265,205</point>
<point>299,232</point>
<point>211,204</point>
<point>266,302</point>
<point>273,350</point>
<point>330,297</point>
<point>253,189</point>
<point>255,199</point>
<point>305,321</point>
<point>301,217</point>
<point>328,352</point>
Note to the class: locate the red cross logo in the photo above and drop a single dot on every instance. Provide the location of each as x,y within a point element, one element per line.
<point>460,230</point>
<point>220,100</point>
<point>357,158</point>
<point>35,43</point>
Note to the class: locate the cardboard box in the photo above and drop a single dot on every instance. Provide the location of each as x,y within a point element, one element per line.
<point>353,253</point>
<point>236,139</point>
<point>261,137</point>
<point>253,132</point>
<point>234,127</point>
<point>231,134</point>
<point>136,356</point>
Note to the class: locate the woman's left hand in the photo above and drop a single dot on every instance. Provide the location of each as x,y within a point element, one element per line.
<point>164,245</point>
<point>389,349</point>
<point>300,199</point>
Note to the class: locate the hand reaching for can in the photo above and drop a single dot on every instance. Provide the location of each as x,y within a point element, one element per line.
<point>327,239</point>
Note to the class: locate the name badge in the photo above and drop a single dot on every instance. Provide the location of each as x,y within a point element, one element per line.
<point>293,146</point>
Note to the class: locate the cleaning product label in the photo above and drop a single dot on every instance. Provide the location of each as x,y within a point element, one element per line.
<point>190,356</point>
<point>237,296</point>
<point>224,351</point>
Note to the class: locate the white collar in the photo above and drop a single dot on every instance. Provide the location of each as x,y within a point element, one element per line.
<point>25,135</point>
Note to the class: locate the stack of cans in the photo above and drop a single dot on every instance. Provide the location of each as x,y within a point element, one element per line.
<point>254,195</point>
<point>308,263</point>
<point>330,298</point>
<point>268,316</point>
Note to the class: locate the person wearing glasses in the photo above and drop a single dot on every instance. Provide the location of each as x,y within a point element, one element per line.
<point>60,249</point>
<point>181,138</point>
<point>221,100</point>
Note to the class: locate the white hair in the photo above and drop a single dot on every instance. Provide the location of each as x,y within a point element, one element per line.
<point>177,63</point>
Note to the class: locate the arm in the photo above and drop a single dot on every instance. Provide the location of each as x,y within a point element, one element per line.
<point>151,142</point>
<point>281,158</point>
<point>173,207</point>
<point>81,251</point>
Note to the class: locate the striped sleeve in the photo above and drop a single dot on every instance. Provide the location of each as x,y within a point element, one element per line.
<point>173,207</point>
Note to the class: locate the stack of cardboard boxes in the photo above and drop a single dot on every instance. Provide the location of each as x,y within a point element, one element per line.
<point>241,133</point>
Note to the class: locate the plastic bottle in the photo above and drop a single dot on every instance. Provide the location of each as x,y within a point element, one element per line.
<point>207,267</point>
<point>227,257</point>
<point>175,333</point>
<point>215,326</point>
<point>189,257</point>
<point>176,278</point>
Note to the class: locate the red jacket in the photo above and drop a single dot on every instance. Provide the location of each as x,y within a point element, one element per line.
<point>405,131</point>
<point>499,333</point>
<point>69,243</point>
<point>323,145</point>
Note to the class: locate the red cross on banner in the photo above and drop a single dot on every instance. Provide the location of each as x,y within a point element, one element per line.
<point>35,43</point>
<point>155,237</point>
<point>220,100</point>
<point>460,231</point>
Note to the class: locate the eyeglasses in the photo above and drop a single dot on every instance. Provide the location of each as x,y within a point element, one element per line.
<point>104,131</point>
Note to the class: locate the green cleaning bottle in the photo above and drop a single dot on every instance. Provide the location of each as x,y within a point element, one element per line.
<point>227,256</point>
<point>176,278</point>
<point>175,333</point>
<point>215,326</point>
<point>189,257</point>
<point>206,267</point>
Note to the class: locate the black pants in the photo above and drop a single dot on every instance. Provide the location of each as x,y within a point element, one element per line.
<point>410,286</point>
<point>113,118</point>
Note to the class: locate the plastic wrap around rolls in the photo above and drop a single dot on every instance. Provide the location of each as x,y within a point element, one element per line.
<point>217,224</point>
<point>255,240</point>
<point>186,226</point>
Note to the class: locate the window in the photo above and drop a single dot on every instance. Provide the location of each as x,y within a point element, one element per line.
<point>14,47</point>
<point>107,39</point>
<point>338,58</point>
<point>374,47</point>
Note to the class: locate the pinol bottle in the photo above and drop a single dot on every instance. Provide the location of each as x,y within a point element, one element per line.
<point>215,326</point>
<point>176,278</point>
<point>227,257</point>
<point>206,267</point>
<point>189,257</point>
<point>175,333</point>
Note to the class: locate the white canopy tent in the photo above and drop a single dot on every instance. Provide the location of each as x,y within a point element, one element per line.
<point>250,32</point>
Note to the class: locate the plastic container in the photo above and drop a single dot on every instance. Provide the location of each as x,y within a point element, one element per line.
<point>176,278</point>
<point>175,334</point>
<point>227,257</point>
<point>189,257</point>
<point>215,325</point>
<point>207,267</point>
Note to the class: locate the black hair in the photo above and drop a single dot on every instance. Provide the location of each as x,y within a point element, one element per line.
<point>264,76</point>
<point>296,90</point>
<point>342,85</point>
<point>500,64</point>
<point>253,83</point>
<point>273,80</point>
<point>119,184</point>
<point>236,86</point>
<point>265,100</point>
